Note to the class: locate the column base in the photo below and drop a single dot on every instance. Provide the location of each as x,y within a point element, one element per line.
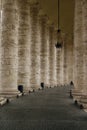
<point>3,101</point>
<point>30,90</point>
<point>52,85</point>
<point>25,91</point>
<point>47,86</point>
<point>34,88</point>
<point>83,102</point>
<point>10,94</point>
<point>55,85</point>
<point>76,94</point>
<point>39,88</point>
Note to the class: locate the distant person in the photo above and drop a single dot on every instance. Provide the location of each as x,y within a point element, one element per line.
<point>71,84</point>
<point>42,85</point>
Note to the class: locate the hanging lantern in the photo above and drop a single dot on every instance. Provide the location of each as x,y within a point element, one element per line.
<point>59,35</point>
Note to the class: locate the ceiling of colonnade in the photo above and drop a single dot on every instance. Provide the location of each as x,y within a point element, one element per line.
<point>50,7</point>
<point>66,13</point>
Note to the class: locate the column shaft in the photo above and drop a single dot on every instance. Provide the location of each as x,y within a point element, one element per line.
<point>61,65</point>
<point>44,49</point>
<point>69,61</point>
<point>0,36</point>
<point>65,62</point>
<point>35,46</point>
<point>58,65</point>
<point>51,55</point>
<point>83,99</point>
<point>84,38</point>
<point>78,49</point>
<point>9,46</point>
<point>23,45</point>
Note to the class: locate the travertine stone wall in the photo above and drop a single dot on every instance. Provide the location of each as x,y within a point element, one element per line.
<point>44,49</point>
<point>51,55</point>
<point>9,46</point>
<point>34,46</point>
<point>84,41</point>
<point>23,44</point>
<point>78,47</point>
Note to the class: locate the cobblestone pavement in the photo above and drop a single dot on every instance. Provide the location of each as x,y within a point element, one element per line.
<point>49,109</point>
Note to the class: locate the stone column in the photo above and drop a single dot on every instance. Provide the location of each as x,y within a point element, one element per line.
<point>62,63</point>
<point>24,45</point>
<point>65,66</point>
<point>83,99</point>
<point>44,49</point>
<point>9,46</point>
<point>35,46</point>
<point>78,51</point>
<point>70,61</point>
<point>0,36</point>
<point>58,65</point>
<point>52,55</point>
<point>47,55</point>
<point>84,38</point>
<point>55,59</point>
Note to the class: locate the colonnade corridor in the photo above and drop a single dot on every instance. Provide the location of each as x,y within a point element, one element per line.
<point>48,109</point>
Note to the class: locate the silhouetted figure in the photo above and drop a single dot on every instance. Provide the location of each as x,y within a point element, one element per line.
<point>20,88</point>
<point>42,85</point>
<point>71,87</point>
<point>71,83</point>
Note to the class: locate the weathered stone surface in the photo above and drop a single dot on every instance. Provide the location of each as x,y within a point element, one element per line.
<point>62,63</point>
<point>0,36</point>
<point>23,44</point>
<point>69,60</point>
<point>55,60</point>
<point>83,99</point>
<point>52,56</point>
<point>59,63</point>
<point>78,47</point>
<point>44,49</point>
<point>9,46</point>
<point>84,41</point>
<point>65,65</point>
<point>34,46</point>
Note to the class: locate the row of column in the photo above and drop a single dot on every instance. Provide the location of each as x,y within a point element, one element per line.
<point>28,55</point>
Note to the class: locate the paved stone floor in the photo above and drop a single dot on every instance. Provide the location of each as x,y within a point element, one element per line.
<point>49,109</point>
